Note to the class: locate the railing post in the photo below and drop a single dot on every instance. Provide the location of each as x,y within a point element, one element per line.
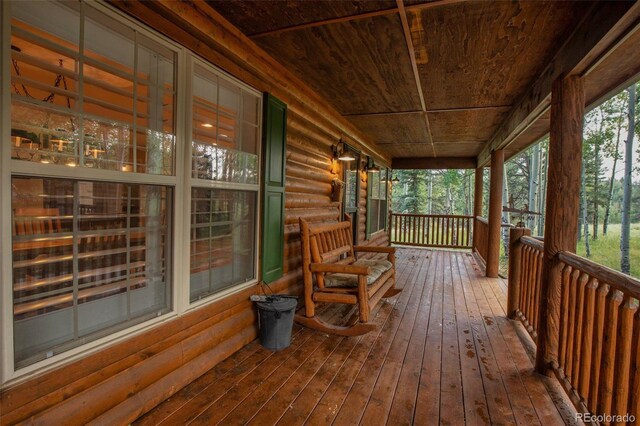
<point>515,269</point>
<point>477,204</point>
<point>561,213</point>
<point>389,225</point>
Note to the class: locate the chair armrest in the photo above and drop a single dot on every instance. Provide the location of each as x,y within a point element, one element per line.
<point>374,249</point>
<point>337,268</point>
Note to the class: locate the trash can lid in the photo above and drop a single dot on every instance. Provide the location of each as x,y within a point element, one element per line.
<point>278,303</point>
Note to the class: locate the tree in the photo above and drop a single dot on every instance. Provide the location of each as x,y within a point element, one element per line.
<point>615,107</point>
<point>625,266</point>
<point>584,216</point>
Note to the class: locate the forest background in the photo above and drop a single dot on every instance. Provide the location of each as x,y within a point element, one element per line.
<point>610,155</point>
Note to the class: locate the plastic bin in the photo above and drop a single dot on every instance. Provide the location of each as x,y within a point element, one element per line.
<point>275,318</point>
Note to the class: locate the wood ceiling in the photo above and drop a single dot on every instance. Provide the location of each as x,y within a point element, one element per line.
<point>421,79</point>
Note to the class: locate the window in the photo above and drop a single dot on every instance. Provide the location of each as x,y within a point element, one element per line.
<point>94,180</point>
<point>378,187</point>
<point>88,258</point>
<point>91,251</point>
<point>224,185</point>
<point>95,107</point>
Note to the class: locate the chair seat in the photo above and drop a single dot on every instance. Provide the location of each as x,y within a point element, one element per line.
<point>376,268</point>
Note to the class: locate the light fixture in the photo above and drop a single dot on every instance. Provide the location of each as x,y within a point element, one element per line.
<point>207,125</point>
<point>371,166</point>
<point>395,180</point>
<point>341,152</point>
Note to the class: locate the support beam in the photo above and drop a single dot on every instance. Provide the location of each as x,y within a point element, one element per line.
<point>561,214</point>
<point>414,66</point>
<point>434,163</point>
<point>597,32</point>
<point>495,213</point>
<point>477,202</point>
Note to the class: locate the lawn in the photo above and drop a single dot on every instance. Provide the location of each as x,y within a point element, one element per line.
<point>606,249</point>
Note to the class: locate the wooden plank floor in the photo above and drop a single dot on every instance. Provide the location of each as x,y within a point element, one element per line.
<point>443,352</point>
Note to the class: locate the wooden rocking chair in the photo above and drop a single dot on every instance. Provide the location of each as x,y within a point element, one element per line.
<point>329,255</point>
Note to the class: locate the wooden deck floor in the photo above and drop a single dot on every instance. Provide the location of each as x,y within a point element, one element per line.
<point>444,352</point>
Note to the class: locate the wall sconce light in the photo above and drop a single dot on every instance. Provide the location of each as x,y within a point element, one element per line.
<point>395,180</point>
<point>341,152</point>
<point>371,166</point>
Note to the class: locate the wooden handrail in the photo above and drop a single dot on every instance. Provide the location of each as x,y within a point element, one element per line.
<point>532,242</point>
<point>615,279</point>
<point>431,230</point>
<point>434,215</point>
<point>482,220</point>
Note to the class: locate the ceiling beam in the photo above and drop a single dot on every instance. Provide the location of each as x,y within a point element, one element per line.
<point>594,36</point>
<point>414,67</point>
<point>434,163</point>
<point>326,22</point>
<point>356,16</point>
<point>460,109</point>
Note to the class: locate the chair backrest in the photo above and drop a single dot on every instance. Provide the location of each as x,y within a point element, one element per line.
<point>326,243</point>
<point>35,221</point>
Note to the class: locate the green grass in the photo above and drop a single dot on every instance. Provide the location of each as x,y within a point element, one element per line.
<point>606,249</point>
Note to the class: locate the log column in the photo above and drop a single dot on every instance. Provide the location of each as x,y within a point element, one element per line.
<point>495,213</point>
<point>477,202</point>
<point>561,214</point>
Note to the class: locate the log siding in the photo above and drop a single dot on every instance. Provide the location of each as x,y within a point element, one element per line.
<point>128,378</point>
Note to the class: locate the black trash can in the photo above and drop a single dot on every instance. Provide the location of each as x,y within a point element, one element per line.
<point>275,318</point>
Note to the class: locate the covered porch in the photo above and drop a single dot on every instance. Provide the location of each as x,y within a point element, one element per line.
<point>444,352</point>
<point>403,84</point>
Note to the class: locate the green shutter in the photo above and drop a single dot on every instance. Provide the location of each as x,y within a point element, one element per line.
<point>274,138</point>
<point>369,209</point>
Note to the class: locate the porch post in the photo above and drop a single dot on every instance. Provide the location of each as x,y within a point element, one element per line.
<point>495,213</point>
<point>561,216</point>
<point>477,202</point>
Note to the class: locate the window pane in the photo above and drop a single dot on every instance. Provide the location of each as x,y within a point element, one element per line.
<point>155,108</point>
<point>222,240</point>
<point>126,121</point>
<point>224,146</point>
<point>44,65</point>
<point>88,258</point>
<point>351,184</point>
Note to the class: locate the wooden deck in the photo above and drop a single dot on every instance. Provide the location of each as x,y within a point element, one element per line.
<point>444,352</point>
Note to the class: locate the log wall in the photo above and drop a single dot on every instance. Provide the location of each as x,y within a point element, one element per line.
<point>128,378</point>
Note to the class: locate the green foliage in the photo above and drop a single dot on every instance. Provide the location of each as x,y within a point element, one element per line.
<point>451,191</point>
<point>606,249</point>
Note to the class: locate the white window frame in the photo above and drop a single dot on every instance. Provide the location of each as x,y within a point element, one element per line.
<point>181,183</point>
<point>191,182</point>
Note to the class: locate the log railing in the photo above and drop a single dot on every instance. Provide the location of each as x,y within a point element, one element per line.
<point>430,230</point>
<point>528,253</point>
<point>598,330</point>
<point>599,327</point>
<point>481,236</point>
